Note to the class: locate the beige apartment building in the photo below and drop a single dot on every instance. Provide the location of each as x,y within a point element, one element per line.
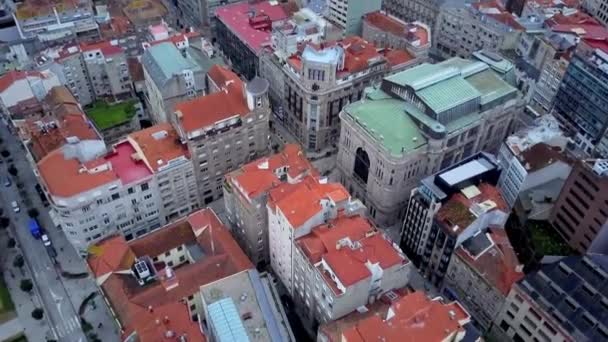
<point>224,129</point>
<point>246,195</point>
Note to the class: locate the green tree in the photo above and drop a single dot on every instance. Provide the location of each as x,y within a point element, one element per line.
<point>33,213</point>
<point>18,262</point>
<point>5,153</point>
<point>13,170</point>
<point>4,222</point>
<point>37,314</point>
<point>11,243</point>
<point>26,285</point>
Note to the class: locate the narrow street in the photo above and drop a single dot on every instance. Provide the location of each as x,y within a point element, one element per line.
<point>60,296</point>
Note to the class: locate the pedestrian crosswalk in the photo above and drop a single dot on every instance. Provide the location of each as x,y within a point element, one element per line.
<point>66,327</point>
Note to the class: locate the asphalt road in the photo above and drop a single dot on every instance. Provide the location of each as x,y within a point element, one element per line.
<point>58,308</point>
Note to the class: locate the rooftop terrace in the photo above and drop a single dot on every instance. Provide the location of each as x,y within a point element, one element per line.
<point>124,166</point>
<point>236,18</point>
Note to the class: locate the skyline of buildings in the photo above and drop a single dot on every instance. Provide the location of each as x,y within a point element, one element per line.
<point>341,170</point>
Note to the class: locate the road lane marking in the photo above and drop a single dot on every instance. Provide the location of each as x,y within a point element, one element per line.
<point>60,331</point>
<point>74,323</point>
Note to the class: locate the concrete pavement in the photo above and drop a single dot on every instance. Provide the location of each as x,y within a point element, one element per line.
<point>10,329</point>
<point>61,308</point>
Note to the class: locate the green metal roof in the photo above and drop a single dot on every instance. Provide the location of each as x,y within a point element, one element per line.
<point>386,121</point>
<point>447,94</point>
<point>490,85</point>
<point>463,121</point>
<point>170,60</point>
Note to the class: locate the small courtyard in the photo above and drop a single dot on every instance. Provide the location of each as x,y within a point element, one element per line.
<point>105,115</point>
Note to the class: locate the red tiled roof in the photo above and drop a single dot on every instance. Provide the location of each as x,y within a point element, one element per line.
<point>590,31</point>
<point>254,32</point>
<point>500,266</point>
<point>258,176</point>
<point>601,44</point>
<point>135,69</point>
<point>349,263</point>
<point>416,318</point>
<point>152,309</point>
<point>107,47</point>
<point>221,75</point>
<point>15,75</point>
<point>358,54</point>
<point>158,242</point>
<point>206,110</point>
<point>578,18</point>
<point>397,57</point>
<point>502,16</point>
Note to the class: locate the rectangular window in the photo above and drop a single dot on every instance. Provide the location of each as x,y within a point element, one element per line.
<point>145,187</point>
<point>115,197</point>
<point>524,329</point>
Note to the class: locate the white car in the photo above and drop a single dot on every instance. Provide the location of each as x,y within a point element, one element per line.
<point>15,206</point>
<point>45,240</point>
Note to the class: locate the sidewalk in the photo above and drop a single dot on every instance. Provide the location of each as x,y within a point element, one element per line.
<point>10,329</point>
<point>24,302</point>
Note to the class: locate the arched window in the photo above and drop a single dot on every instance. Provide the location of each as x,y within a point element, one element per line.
<point>361,165</point>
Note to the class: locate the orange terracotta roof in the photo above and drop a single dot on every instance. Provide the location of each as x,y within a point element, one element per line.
<point>499,266</point>
<point>151,310</point>
<point>390,24</point>
<point>323,239</point>
<point>158,242</point>
<point>416,318</point>
<point>14,75</point>
<point>206,110</point>
<point>333,330</point>
<point>298,202</point>
<point>358,53</point>
<point>110,255</point>
<point>54,134</point>
<point>258,177</point>
<point>397,57</point>
<point>221,75</point>
<point>62,176</point>
<point>348,262</point>
<point>159,145</point>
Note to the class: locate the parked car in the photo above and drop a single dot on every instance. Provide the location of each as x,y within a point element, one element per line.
<point>45,240</point>
<point>7,182</point>
<point>15,206</point>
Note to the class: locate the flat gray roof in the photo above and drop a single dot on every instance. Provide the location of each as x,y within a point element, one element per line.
<point>465,171</point>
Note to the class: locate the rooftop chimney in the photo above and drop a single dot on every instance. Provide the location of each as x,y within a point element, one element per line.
<point>169,279</point>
